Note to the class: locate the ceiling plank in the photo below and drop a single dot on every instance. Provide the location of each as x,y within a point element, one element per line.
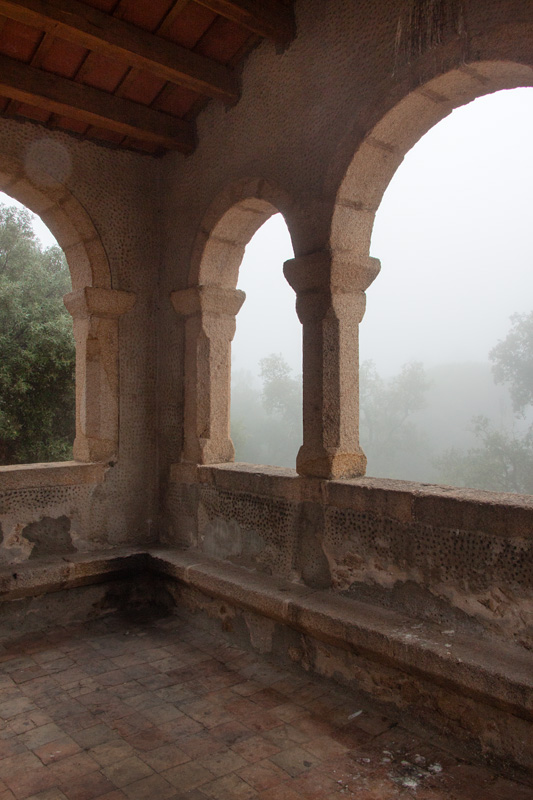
<point>86,26</point>
<point>62,96</point>
<point>268,18</point>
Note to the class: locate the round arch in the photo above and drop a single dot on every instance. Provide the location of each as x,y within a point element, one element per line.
<point>209,306</point>
<point>67,220</point>
<point>383,149</point>
<point>94,305</point>
<point>228,225</point>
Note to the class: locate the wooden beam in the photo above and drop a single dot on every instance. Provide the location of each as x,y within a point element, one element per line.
<point>86,26</point>
<point>62,96</point>
<point>268,18</point>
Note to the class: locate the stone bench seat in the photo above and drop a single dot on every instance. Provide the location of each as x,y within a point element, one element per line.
<point>490,679</point>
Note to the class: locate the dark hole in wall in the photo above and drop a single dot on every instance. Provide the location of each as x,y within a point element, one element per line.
<point>50,536</point>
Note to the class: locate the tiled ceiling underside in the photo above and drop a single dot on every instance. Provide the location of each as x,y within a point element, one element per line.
<point>130,73</point>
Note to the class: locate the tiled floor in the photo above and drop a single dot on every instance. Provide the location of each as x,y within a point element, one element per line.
<point>159,710</point>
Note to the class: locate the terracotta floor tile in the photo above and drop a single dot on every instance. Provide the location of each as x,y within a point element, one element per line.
<point>110,752</point>
<point>168,711</point>
<point>93,736</point>
<point>73,767</point>
<point>263,775</point>
<point>56,750</point>
<point>223,762</point>
<point>163,758</point>
<point>188,776</point>
<point>295,760</point>
<point>90,786</point>
<point>32,781</point>
<point>152,788</point>
<point>325,747</point>
<point>230,786</point>
<point>127,771</point>
<point>256,748</point>
<point>200,745</point>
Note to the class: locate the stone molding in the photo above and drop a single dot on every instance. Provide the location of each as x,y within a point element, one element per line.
<point>330,303</point>
<point>64,473</point>
<point>96,313</point>
<point>94,301</point>
<point>209,316</point>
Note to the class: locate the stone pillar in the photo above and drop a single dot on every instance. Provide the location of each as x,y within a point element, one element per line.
<point>96,313</point>
<point>330,303</point>
<point>209,313</point>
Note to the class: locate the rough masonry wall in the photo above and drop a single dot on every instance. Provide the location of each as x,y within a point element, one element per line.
<point>302,114</point>
<point>119,192</point>
<point>461,559</point>
<point>289,140</point>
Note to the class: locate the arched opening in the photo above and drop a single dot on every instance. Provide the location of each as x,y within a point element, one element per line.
<point>209,308</point>
<point>453,234</point>
<point>37,348</point>
<point>377,160</point>
<point>93,304</point>
<point>266,390</point>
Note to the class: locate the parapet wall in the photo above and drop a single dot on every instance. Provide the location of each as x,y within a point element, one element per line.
<point>461,558</point>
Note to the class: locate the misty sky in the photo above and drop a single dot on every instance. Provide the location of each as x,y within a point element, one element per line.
<point>454,234</point>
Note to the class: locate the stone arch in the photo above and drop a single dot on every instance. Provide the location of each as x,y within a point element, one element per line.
<point>93,304</point>
<point>228,225</point>
<point>66,218</point>
<point>384,147</point>
<point>209,306</point>
<point>348,269</point>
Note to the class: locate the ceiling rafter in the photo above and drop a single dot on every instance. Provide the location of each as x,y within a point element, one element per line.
<point>97,31</point>
<point>62,96</point>
<point>268,18</point>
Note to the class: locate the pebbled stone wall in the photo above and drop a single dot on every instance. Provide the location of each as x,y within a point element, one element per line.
<point>103,207</point>
<point>460,558</point>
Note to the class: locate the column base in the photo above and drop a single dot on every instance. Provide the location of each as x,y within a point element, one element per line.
<point>209,451</point>
<point>320,463</point>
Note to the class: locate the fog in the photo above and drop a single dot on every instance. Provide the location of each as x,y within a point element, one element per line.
<point>454,237</point>
<point>453,234</point>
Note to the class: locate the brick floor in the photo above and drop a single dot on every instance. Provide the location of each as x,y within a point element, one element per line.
<point>160,710</point>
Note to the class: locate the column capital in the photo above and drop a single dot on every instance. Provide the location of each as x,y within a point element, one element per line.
<point>207,299</point>
<point>96,302</point>
<point>326,272</point>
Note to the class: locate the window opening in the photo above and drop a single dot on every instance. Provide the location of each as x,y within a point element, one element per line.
<point>37,349</point>
<point>266,383</point>
<point>446,386</point>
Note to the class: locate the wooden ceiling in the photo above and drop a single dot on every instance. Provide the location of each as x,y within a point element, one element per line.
<point>130,73</point>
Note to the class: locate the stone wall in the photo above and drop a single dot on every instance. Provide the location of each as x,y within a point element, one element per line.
<point>102,205</point>
<point>458,558</point>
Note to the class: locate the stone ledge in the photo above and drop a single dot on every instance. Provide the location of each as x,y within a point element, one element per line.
<point>484,669</point>
<point>500,514</point>
<point>489,670</point>
<point>43,576</point>
<point>63,473</point>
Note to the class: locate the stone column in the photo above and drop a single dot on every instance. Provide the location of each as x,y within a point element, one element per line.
<point>209,313</point>
<point>330,303</point>
<point>96,313</point>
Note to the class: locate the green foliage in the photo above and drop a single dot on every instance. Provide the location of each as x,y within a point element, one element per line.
<point>266,425</point>
<point>388,434</point>
<point>513,360</point>
<point>502,462</point>
<point>37,354</point>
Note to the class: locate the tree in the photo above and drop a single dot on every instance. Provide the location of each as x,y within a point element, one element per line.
<point>503,461</point>
<point>37,354</point>
<point>388,434</point>
<point>512,361</point>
